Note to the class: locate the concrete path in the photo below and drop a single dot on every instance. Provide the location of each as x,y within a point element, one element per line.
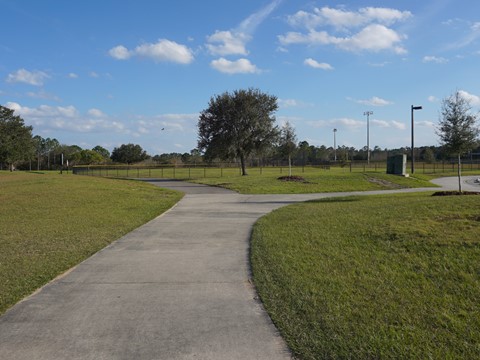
<point>176,288</point>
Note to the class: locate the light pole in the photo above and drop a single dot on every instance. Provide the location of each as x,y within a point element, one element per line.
<point>413,108</point>
<point>335,144</point>
<point>368,113</point>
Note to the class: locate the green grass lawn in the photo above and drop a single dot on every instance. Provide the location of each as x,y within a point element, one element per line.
<point>317,181</point>
<point>394,277</point>
<point>51,222</point>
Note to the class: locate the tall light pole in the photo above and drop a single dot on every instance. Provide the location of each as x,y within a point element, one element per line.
<point>413,108</point>
<point>335,144</point>
<point>367,114</point>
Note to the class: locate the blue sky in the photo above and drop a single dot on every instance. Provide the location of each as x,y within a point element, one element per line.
<point>114,72</point>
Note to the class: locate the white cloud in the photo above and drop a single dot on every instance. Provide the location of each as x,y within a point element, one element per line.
<point>342,19</point>
<point>398,125</point>
<point>249,25</point>
<point>95,113</point>
<point>162,50</point>
<point>230,43</point>
<point>374,36</point>
<point>240,66</point>
<point>380,123</point>
<point>434,59</point>
<point>93,74</point>
<point>472,99</point>
<point>233,42</point>
<point>432,99</point>
<point>285,103</point>
<point>374,101</point>
<point>315,64</point>
<point>66,118</point>
<point>346,122</point>
<point>120,52</point>
<point>72,76</point>
<point>428,124</point>
<point>35,78</point>
<point>42,94</point>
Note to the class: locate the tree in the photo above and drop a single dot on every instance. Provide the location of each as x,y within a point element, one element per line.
<point>237,124</point>
<point>15,138</point>
<point>102,151</point>
<point>88,157</point>
<point>287,143</point>
<point>457,129</point>
<point>128,154</point>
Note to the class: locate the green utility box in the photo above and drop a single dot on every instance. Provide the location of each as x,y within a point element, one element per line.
<point>397,164</point>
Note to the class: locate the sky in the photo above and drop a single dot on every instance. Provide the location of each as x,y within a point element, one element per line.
<point>113,72</point>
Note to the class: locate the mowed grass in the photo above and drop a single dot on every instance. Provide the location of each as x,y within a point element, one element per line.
<point>51,222</point>
<point>391,277</point>
<point>316,181</point>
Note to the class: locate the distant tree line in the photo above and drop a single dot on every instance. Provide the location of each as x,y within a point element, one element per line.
<point>237,127</point>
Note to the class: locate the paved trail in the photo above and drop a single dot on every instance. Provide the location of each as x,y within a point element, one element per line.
<point>176,288</point>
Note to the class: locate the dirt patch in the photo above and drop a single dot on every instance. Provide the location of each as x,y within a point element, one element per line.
<point>452,193</point>
<point>385,183</point>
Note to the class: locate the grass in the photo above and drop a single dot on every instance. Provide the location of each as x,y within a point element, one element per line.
<point>394,277</point>
<point>51,222</point>
<point>334,180</point>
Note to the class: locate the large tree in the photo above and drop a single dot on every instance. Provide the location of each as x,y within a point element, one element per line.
<point>15,138</point>
<point>129,153</point>
<point>457,129</point>
<point>235,125</point>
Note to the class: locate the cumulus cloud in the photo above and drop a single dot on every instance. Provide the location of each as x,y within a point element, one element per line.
<point>434,59</point>
<point>240,66</point>
<point>162,50</point>
<point>343,19</point>
<point>315,64</point>
<point>120,52</point>
<point>66,118</point>
<point>227,43</point>
<point>35,77</point>
<point>374,34</point>
<point>472,99</point>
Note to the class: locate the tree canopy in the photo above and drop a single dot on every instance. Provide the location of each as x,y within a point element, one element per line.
<point>129,154</point>
<point>235,125</point>
<point>16,142</point>
<point>457,129</point>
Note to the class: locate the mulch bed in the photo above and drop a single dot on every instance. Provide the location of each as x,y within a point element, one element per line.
<point>450,193</point>
<point>292,178</point>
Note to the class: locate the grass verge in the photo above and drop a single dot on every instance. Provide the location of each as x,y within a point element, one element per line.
<point>50,222</point>
<point>393,277</point>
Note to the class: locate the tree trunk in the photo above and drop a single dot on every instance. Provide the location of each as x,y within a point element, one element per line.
<point>289,165</point>
<point>244,166</point>
<point>459,174</point>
